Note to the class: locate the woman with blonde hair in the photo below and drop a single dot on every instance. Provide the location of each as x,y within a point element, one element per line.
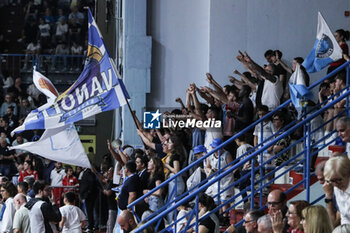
<point>315,219</point>
<point>337,176</point>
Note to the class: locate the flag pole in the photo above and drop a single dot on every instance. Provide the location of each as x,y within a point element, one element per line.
<point>114,67</point>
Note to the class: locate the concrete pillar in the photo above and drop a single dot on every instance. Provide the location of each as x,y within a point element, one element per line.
<point>136,65</point>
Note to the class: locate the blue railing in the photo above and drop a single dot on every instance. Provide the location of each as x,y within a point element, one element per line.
<point>259,149</point>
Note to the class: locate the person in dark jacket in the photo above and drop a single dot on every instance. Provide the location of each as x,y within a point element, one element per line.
<point>43,212</point>
<point>88,194</point>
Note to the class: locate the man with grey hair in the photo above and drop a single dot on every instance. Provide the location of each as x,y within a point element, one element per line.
<point>250,221</point>
<point>343,128</point>
<point>21,222</point>
<point>265,224</point>
<point>319,171</point>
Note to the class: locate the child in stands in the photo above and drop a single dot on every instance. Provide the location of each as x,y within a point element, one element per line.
<point>73,218</point>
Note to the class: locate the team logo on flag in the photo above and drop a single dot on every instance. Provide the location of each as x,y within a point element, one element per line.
<point>151,120</point>
<point>325,50</point>
<point>325,47</point>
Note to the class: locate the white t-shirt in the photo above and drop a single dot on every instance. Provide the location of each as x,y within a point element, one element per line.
<point>7,219</point>
<point>77,50</point>
<point>242,150</point>
<point>73,217</point>
<point>268,129</point>
<point>61,29</point>
<point>32,47</point>
<point>210,135</point>
<point>57,177</point>
<point>272,93</point>
<point>44,30</point>
<point>343,204</point>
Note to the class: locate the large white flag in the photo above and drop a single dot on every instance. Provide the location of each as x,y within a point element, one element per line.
<point>326,49</point>
<point>60,144</point>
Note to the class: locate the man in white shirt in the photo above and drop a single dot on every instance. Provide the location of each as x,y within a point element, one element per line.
<point>56,177</point>
<point>337,176</point>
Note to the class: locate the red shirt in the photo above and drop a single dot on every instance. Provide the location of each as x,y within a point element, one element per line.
<point>341,61</point>
<point>27,173</point>
<point>291,230</point>
<point>69,181</point>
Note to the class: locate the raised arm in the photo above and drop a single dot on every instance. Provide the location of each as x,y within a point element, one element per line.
<point>284,65</point>
<point>179,100</point>
<point>245,79</point>
<point>255,68</point>
<point>113,153</point>
<point>146,140</point>
<point>139,126</point>
<point>206,96</point>
<point>196,102</point>
<point>189,100</point>
<point>222,99</point>
<point>236,82</point>
<point>215,84</point>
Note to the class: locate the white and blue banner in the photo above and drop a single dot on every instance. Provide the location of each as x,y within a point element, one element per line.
<point>97,89</point>
<point>326,49</point>
<point>298,90</point>
<point>60,144</point>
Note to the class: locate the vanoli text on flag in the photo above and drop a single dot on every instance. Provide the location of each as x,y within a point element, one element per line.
<point>97,89</point>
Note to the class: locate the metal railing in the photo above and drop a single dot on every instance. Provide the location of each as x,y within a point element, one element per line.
<point>306,154</point>
<point>16,64</point>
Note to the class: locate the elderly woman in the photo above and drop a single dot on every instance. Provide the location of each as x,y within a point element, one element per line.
<point>294,217</point>
<point>8,191</point>
<point>315,220</point>
<point>337,176</point>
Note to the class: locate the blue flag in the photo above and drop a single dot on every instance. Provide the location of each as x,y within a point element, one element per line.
<point>97,89</point>
<point>326,49</point>
<point>298,90</point>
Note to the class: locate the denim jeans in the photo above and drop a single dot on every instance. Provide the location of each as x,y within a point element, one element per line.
<point>155,203</point>
<point>180,188</point>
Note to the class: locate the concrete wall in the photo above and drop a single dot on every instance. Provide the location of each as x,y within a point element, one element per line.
<point>180,54</point>
<point>192,37</point>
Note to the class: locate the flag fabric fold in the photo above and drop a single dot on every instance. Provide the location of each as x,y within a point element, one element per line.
<point>45,86</point>
<point>325,50</point>
<point>297,88</point>
<point>97,89</point>
<point>59,144</point>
